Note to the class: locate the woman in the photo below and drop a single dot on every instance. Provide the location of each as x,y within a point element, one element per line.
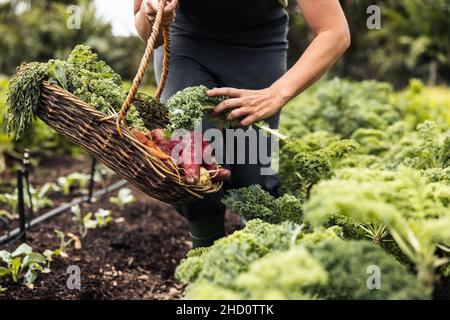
<point>238,49</point>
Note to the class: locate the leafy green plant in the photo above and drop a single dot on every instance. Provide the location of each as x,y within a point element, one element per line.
<point>124,197</point>
<point>304,164</point>
<point>400,201</point>
<point>75,179</point>
<point>99,219</point>
<point>22,263</point>
<point>83,74</point>
<point>255,203</point>
<point>63,245</point>
<point>39,199</point>
<point>24,96</point>
<point>189,106</point>
<point>347,264</point>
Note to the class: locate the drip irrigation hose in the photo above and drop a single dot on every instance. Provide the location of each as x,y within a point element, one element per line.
<point>17,233</point>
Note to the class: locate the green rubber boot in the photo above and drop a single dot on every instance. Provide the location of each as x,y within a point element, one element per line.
<point>205,231</point>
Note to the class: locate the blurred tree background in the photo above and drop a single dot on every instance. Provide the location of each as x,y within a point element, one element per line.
<point>413,40</point>
<point>36,30</point>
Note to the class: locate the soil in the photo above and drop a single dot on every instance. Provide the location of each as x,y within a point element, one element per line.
<point>133,257</point>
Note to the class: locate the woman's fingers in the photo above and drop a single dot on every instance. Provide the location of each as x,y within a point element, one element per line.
<point>227,104</point>
<point>237,113</point>
<point>169,9</point>
<point>249,120</point>
<point>171,6</point>
<point>230,92</point>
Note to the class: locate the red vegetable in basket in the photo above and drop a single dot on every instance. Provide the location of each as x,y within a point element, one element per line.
<point>166,145</point>
<point>191,158</point>
<point>192,155</point>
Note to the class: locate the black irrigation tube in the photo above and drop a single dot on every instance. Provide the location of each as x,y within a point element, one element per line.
<point>56,211</point>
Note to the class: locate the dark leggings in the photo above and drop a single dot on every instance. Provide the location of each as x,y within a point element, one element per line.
<point>203,62</point>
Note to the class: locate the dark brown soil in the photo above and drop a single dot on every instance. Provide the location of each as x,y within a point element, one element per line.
<point>134,257</point>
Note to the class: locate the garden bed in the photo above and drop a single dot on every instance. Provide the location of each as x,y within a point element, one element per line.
<point>134,257</point>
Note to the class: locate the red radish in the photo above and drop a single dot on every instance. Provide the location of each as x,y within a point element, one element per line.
<point>192,150</point>
<point>166,145</point>
<point>190,160</point>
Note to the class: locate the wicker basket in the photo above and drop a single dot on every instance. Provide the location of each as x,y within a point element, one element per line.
<point>105,137</point>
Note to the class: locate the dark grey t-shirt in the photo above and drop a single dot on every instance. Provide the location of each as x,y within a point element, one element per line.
<point>251,23</point>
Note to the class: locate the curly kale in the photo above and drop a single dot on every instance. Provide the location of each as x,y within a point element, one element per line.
<point>320,266</point>
<point>301,166</point>
<point>275,237</point>
<point>187,108</point>
<point>349,265</point>
<point>283,275</point>
<point>425,148</point>
<point>227,258</point>
<point>232,255</point>
<point>190,267</point>
<point>83,74</point>
<point>255,203</point>
<point>94,82</point>
<point>320,234</point>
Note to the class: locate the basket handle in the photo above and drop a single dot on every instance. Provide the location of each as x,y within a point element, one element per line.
<point>144,64</point>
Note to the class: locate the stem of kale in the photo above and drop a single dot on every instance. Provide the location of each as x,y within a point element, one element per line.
<point>261,125</point>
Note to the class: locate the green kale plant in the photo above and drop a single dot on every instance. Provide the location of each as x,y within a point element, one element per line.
<point>255,203</point>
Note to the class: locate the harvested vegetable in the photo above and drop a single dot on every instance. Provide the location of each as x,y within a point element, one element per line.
<point>96,83</point>
<point>140,136</point>
<point>24,96</point>
<point>187,108</point>
<point>222,174</point>
<point>192,155</point>
<point>83,74</point>
<point>205,178</point>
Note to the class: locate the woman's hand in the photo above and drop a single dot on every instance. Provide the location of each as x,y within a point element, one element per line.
<point>150,7</point>
<point>250,105</point>
<point>145,15</point>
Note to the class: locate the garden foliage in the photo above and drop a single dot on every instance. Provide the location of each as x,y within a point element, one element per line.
<point>366,182</point>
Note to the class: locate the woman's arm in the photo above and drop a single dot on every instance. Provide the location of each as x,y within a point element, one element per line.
<point>332,38</point>
<point>145,14</point>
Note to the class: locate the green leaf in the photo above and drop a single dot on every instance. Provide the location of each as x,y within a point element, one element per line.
<point>14,267</point>
<point>21,250</point>
<point>48,254</point>
<point>30,276</point>
<point>4,271</point>
<point>5,256</point>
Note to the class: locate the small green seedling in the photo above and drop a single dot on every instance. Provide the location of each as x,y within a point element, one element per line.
<point>63,245</point>
<point>75,179</point>
<point>124,197</point>
<point>40,201</point>
<point>48,187</point>
<point>23,262</point>
<point>101,218</point>
<point>6,214</point>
